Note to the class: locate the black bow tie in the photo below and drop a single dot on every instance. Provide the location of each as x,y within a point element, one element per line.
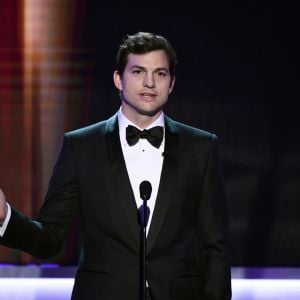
<point>154,135</point>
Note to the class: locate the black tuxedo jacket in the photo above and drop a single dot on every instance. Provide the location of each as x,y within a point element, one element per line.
<point>187,242</point>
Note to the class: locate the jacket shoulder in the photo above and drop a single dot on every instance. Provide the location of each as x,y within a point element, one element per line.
<point>94,130</point>
<point>190,131</point>
<point>87,131</point>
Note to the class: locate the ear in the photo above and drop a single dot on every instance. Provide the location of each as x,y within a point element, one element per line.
<point>172,85</point>
<point>117,80</point>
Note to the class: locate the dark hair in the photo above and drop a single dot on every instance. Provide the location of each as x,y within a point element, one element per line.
<point>141,43</point>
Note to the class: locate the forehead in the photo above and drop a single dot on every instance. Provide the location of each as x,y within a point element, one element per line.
<point>154,59</point>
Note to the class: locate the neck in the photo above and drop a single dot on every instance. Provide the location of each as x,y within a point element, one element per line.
<point>140,120</point>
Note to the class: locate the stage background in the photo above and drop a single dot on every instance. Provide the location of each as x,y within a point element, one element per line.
<point>237,77</point>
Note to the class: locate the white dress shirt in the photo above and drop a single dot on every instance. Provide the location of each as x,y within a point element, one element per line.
<point>5,223</point>
<point>143,162</point>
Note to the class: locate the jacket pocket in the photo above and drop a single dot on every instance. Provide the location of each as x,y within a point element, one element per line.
<point>92,278</point>
<point>187,288</point>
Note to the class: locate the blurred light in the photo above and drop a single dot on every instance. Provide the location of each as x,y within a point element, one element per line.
<point>265,289</point>
<point>35,288</point>
<point>61,288</point>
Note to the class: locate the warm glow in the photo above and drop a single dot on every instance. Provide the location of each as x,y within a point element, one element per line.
<point>47,32</point>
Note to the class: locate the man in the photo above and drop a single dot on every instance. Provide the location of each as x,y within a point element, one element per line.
<point>98,175</point>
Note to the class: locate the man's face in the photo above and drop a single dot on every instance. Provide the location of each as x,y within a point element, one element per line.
<point>145,85</point>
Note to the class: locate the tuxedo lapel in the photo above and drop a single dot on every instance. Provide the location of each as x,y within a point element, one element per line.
<point>120,177</point>
<point>166,185</point>
<point>123,187</point>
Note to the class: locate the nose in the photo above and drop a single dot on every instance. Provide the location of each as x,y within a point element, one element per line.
<point>149,81</point>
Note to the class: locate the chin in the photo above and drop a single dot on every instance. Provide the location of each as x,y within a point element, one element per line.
<point>149,113</point>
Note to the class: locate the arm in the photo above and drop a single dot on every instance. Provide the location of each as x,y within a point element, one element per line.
<point>212,230</point>
<point>44,236</point>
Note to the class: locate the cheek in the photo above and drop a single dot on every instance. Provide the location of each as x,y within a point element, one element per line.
<point>128,85</point>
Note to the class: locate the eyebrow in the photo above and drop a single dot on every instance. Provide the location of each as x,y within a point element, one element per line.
<point>143,68</point>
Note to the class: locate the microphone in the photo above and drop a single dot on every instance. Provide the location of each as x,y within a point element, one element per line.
<point>145,194</point>
<point>145,190</point>
<point>144,212</point>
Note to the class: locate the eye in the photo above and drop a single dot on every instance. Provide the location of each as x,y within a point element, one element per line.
<point>137,71</point>
<point>161,73</point>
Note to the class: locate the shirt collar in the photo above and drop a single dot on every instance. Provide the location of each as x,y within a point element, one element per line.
<point>124,122</point>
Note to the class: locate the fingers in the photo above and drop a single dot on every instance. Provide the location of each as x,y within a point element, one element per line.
<point>3,207</point>
<point>2,196</point>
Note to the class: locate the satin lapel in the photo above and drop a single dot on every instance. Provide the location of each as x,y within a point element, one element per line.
<point>120,176</point>
<point>166,185</point>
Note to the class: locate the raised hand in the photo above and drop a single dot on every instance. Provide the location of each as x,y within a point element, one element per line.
<point>3,207</point>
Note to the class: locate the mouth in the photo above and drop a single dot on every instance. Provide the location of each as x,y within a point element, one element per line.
<point>148,96</point>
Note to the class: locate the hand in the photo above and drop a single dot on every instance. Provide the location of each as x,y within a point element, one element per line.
<point>3,207</point>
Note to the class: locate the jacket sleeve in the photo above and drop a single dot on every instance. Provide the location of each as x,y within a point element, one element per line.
<point>45,236</point>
